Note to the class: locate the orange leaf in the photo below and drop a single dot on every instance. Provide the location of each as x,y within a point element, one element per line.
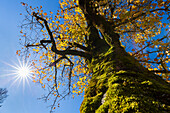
<point>23,3</point>
<point>156,59</point>
<point>133,49</point>
<point>45,14</point>
<point>164,25</point>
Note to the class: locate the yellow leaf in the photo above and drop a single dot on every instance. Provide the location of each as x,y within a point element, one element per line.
<point>77,9</point>
<point>155,69</point>
<point>41,81</point>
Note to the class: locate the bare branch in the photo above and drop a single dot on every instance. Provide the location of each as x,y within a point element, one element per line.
<point>148,45</point>
<point>142,14</point>
<point>28,45</point>
<point>160,71</point>
<point>44,41</point>
<point>70,8</point>
<point>149,61</point>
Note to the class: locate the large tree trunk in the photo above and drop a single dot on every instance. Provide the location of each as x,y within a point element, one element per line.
<point>119,83</point>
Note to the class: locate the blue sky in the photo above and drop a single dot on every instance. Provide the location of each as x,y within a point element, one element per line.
<point>23,99</point>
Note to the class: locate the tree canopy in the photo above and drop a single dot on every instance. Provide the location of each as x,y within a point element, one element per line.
<point>61,42</point>
<point>3,95</point>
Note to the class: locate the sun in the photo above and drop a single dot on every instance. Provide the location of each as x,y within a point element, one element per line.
<point>22,72</point>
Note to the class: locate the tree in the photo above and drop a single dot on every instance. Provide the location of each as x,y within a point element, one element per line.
<point>3,95</point>
<point>111,49</point>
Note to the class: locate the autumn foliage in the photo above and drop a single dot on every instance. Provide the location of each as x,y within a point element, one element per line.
<point>143,26</point>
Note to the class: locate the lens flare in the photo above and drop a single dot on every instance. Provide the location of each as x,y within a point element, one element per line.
<point>21,72</point>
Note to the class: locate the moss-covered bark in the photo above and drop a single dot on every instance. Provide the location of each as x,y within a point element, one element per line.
<point>115,88</point>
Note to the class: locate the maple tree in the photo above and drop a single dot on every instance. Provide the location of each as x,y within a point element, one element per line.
<point>111,49</point>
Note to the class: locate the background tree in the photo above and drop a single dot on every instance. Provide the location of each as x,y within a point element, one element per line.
<point>3,95</point>
<point>113,46</point>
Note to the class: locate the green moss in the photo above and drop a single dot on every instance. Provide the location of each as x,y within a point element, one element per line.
<point>89,105</point>
<point>127,90</point>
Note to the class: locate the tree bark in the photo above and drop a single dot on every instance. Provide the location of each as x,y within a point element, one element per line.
<point>119,83</point>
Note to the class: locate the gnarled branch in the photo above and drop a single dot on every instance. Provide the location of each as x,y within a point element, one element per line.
<point>53,48</point>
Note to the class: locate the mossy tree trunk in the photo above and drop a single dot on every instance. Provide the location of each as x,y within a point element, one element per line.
<point>119,83</point>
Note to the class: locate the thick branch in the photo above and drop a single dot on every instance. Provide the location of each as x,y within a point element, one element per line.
<point>53,48</point>
<point>44,41</point>
<point>46,26</point>
<point>74,44</point>
<point>71,52</point>
<point>99,22</point>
